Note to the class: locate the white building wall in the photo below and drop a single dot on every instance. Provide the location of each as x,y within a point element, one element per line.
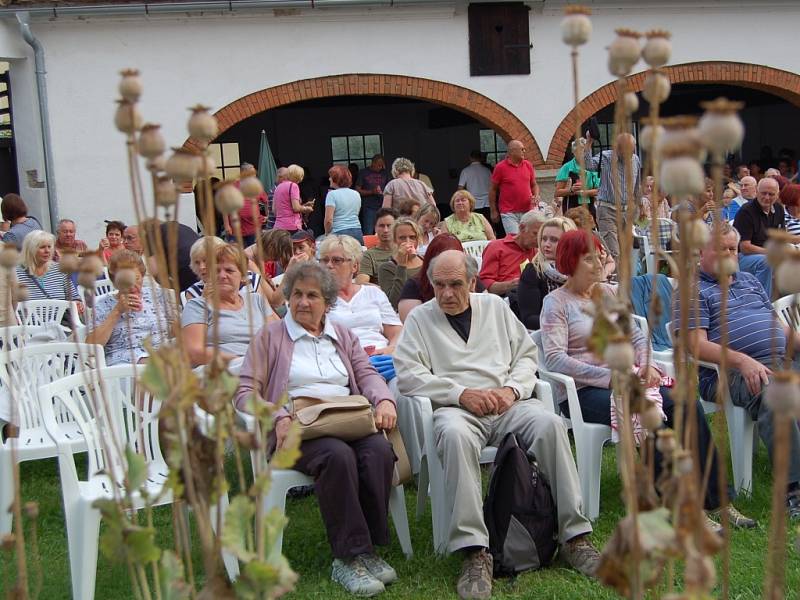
<point>216,59</point>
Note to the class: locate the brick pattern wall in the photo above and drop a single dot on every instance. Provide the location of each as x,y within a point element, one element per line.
<point>459,98</point>
<point>781,83</point>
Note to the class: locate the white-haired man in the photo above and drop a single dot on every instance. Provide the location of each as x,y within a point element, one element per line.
<point>513,190</point>
<point>474,359</point>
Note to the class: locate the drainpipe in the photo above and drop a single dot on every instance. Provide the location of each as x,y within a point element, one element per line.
<point>44,116</point>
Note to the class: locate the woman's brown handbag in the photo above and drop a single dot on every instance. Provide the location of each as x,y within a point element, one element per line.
<point>348,418</point>
<point>402,466</point>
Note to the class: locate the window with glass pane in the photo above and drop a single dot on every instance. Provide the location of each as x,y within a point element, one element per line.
<point>607,134</point>
<point>493,146</point>
<point>226,157</point>
<point>359,149</point>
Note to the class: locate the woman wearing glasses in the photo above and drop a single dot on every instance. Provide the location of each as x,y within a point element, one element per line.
<point>364,309</point>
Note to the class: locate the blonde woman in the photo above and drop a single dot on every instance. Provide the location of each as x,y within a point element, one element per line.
<point>540,276</point>
<point>289,209</point>
<point>404,187</point>
<point>465,223</point>
<point>40,274</point>
<point>393,274</point>
<point>428,219</point>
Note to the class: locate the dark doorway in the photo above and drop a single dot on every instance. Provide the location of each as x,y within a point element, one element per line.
<point>8,161</point>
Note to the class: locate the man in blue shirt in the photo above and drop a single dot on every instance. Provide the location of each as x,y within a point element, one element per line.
<point>757,344</point>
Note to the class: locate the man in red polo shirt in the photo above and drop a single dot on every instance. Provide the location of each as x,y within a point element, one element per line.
<point>515,180</point>
<point>503,260</point>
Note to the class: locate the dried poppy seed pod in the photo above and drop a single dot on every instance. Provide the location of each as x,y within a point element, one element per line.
<point>682,176</point>
<point>782,395</point>
<point>9,256</point>
<point>720,126</point>
<point>125,279</point>
<point>648,136</point>
<point>787,276</point>
<point>151,143</point>
<point>157,164</point>
<point>624,52</point>
<point>631,102</point>
<point>619,354</point>
<point>251,187</point>
<point>228,198</point>
<point>127,118</point>
<point>656,87</point>
<point>87,279</point>
<point>91,263</point>
<point>684,462</point>
<point>182,166</point>
<point>202,124</point>
<point>651,418</point>
<point>576,27</point>
<point>20,293</point>
<point>130,87</point>
<point>68,263</point>
<point>665,441</point>
<point>206,165</point>
<point>727,266</point>
<point>697,233</point>
<point>657,49</point>
<point>165,192</point>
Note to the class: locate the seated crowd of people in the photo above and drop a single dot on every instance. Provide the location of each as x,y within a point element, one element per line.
<point>391,283</point>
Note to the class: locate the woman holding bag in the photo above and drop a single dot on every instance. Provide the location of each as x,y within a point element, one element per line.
<point>307,356</point>
<point>288,206</point>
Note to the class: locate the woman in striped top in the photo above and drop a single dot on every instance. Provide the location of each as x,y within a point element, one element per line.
<point>38,272</point>
<point>790,198</point>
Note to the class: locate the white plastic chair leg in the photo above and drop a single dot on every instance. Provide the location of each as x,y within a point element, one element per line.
<point>6,491</point>
<point>83,536</point>
<point>422,487</point>
<point>230,561</point>
<point>397,508</point>
<point>282,482</point>
<point>741,431</point>
<point>589,462</point>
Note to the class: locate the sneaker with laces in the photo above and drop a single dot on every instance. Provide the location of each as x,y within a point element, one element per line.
<point>476,576</point>
<point>581,555</point>
<point>735,518</point>
<point>712,525</point>
<point>380,569</point>
<point>793,505</point>
<point>355,578</point>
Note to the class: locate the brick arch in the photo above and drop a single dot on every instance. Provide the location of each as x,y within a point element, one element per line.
<point>464,100</point>
<point>780,83</point>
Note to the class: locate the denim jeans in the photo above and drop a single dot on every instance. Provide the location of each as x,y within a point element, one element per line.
<point>353,232</point>
<point>756,264</point>
<point>596,408</point>
<point>511,221</point>
<point>369,214</point>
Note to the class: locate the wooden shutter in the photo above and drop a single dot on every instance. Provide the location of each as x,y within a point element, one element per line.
<point>499,39</point>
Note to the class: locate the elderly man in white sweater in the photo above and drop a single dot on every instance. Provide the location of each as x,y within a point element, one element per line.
<point>471,356</point>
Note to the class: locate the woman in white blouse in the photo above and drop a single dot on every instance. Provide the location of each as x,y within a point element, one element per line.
<point>364,309</point>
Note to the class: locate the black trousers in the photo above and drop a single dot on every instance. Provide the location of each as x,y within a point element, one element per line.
<point>352,481</point>
<point>596,408</point>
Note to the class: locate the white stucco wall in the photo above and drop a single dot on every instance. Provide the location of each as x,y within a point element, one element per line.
<point>216,59</point>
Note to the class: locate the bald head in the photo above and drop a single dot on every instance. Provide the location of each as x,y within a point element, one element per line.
<point>748,185</point>
<point>452,278</point>
<point>516,151</point>
<point>768,190</point>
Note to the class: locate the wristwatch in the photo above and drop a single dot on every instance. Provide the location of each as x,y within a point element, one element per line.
<point>516,393</point>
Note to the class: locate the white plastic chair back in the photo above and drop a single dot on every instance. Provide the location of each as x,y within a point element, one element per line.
<point>787,312</point>
<point>101,288</point>
<point>41,312</point>
<point>26,369</point>
<point>16,336</point>
<point>475,250</point>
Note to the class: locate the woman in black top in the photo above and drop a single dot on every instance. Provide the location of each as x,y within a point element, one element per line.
<point>540,276</point>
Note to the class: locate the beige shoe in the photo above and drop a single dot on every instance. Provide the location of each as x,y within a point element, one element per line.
<point>735,518</point>
<point>581,555</point>
<point>475,581</point>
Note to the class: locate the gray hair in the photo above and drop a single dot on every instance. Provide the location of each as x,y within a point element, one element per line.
<point>531,217</point>
<point>402,165</point>
<point>63,221</point>
<point>724,228</point>
<point>349,245</point>
<point>470,265</point>
<point>311,270</point>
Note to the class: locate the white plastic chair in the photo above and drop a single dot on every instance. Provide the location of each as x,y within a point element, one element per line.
<point>15,336</point>
<point>431,473</point>
<point>787,312</point>
<point>590,438</point>
<point>284,480</point>
<point>107,404</point>
<point>741,432</point>
<point>475,250</point>
<point>22,372</point>
<point>42,312</point>
<point>101,288</point>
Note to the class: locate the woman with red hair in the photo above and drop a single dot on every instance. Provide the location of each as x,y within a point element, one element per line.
<point>419,289</point>
<point>790,198</point>
<point>342,205</point>
<point>566,327</point>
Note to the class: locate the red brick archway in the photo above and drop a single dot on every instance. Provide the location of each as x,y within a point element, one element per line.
<point>476,105</point>
<point>780,83</point>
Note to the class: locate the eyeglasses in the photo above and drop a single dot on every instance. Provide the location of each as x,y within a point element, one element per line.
<point>336,260</point>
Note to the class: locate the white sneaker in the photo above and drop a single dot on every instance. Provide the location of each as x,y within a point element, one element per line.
<point>380,569</point>
<point>354,576</point>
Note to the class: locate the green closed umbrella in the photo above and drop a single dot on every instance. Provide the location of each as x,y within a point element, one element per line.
<point>267,171</point>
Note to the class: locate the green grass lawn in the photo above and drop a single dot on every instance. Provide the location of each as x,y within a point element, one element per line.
<point>424,576</point>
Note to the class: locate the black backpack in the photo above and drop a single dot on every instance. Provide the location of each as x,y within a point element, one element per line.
<point>519,512</point>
